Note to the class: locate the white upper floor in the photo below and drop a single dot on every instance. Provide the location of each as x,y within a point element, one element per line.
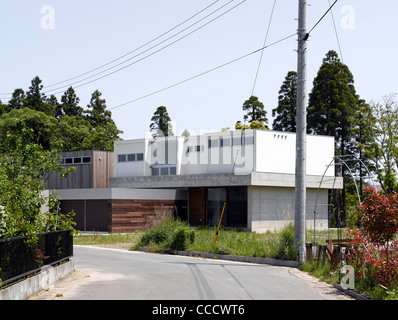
<point>238,152</point>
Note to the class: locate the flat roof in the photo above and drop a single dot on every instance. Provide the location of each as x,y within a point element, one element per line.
<point>224,179</point>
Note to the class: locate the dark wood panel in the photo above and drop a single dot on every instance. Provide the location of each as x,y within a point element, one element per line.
<point>197,206</point>
<point>132,215</point>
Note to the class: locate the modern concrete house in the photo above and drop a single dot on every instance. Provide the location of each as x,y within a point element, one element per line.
<point>252,170</point>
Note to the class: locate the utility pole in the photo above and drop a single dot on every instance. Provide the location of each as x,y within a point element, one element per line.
<point>301,132</point>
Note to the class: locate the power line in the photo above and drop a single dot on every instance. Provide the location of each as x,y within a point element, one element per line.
<point>149,55</point>
<point>203,73</point>
<point>337,34</point>
<point>136,49</point>
<point>322,17</point>
<point>264,43</point>
<point>130,52</point>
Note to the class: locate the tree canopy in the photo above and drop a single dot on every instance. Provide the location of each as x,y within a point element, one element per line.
<point>24,168</point>
<point>64,125</point>
<point>161,123</point>
<point>255,111</point>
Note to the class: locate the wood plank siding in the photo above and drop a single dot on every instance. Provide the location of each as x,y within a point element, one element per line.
<point>93,170</point>
<point>132,215</point>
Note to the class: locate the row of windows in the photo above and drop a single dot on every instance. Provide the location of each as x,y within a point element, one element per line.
<point>131,157</point>
<point>226,142</point>
<point>212,143</point>
<point>222,142</point>
<point>76,160</point>
<point>164,171</point>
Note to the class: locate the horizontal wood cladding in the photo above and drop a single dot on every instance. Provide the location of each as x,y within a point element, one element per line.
<point>132,215</point>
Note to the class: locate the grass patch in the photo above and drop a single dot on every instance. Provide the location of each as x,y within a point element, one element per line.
<point>106,239</point>
<point>174,234</point>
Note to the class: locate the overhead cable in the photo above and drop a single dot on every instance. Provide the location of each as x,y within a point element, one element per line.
<point>203,73</point>
<point>264,43</point>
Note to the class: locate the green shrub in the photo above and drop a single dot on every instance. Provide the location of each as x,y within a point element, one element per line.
<point>286,248</point>
<point>179,239</point>
<point>155,235</point>
<point>170,234</point>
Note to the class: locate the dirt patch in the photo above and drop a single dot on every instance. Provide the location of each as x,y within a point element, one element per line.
<point>123,246</point>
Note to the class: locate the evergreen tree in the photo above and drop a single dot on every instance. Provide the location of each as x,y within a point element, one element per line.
<point>333,103</point>
<point>332,106</point>
<point>17,100</point>
<point>70,103</point>
<point>255,111</point>
<point>104,131</point>
<point>286,111</point>
<point>37,100</point>
<point>161,123</point>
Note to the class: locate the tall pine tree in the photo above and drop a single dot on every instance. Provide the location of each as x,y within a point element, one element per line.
<point>285,113</point>
<point>160,125</point>
<point>332,106</point>
<point>104,129</point>
<point>255,111</point>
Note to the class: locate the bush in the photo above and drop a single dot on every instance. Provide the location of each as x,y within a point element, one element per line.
<point>373,253</point>
<point>170,234</point>
<point>286,248</point>
<point>179,239</point>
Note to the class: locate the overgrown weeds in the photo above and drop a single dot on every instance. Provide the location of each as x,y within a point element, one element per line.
<point>173,234</point>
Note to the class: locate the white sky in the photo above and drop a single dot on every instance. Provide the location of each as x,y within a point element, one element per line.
<point>58,40</point>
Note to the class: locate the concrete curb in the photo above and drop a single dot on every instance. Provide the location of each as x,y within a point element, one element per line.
<point>209,255</point>
<point>351,293</point>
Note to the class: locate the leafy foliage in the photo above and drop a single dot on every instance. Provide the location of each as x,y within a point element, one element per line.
<point>374,253</point>
<point>24,167</point>
<point>61,126</point>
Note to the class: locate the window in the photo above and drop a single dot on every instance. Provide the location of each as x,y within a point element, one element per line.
<point>213,143</point>
<point>225,142</point>
<point>197,148</point>
<point>131,157</point>
<point>75,160</point>
<point>164,171</point>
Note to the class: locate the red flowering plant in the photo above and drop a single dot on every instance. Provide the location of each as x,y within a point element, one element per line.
<point>374,250</point>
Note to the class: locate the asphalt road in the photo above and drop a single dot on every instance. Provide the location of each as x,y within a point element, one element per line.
<point>109,274</point>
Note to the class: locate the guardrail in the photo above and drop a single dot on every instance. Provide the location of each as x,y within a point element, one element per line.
<point>22,256</point>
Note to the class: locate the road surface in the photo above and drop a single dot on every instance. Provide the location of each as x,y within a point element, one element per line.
<point>109,274</point>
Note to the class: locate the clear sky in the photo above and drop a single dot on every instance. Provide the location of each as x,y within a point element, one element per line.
<point>59,40</point>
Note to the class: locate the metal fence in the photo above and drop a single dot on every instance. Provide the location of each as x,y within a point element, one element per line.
<point>22,256</point>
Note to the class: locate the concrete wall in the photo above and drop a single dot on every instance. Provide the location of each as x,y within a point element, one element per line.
<point>271,208</point>
<point>276,152</point>
<point>44,280</point>
<point>250,150</point>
